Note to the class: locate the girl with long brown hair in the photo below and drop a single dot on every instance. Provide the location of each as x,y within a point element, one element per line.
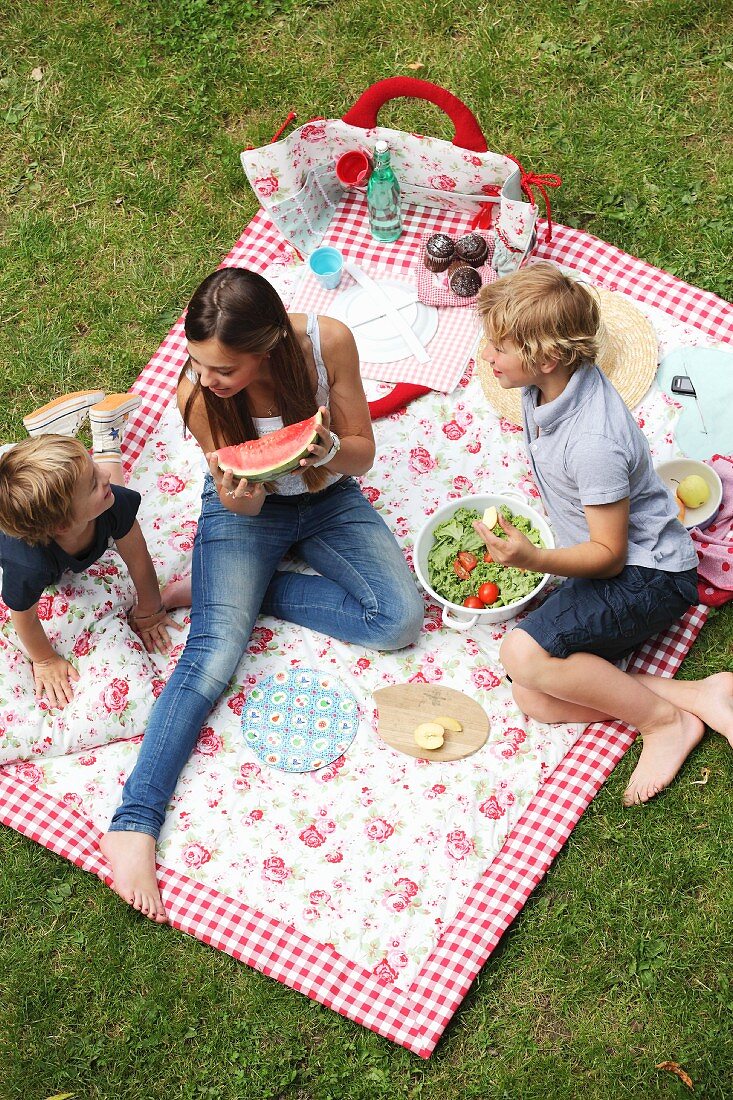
<point>252,368</point>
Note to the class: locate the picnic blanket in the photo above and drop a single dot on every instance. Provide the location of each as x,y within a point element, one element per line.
<point>380,884</point>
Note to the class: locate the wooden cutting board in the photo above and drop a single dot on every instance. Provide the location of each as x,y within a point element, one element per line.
<point>402,707</point>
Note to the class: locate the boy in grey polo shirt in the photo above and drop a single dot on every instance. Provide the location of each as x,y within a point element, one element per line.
<point>630,564</point>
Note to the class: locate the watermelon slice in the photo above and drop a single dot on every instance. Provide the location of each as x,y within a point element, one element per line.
<point>272,455</point>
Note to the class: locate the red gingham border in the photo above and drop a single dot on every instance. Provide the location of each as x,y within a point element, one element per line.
<point>414,1018</point>
<point>608,266</point>
<point>417,1017</point>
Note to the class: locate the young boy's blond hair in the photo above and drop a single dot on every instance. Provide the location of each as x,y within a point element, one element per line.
<point>38,478</point>
<point>544,314</point>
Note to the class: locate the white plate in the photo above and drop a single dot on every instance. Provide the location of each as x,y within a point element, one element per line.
<point>376,335</point>
<point>672,473</point>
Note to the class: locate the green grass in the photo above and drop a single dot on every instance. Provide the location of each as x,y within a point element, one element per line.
<point>119,189</point>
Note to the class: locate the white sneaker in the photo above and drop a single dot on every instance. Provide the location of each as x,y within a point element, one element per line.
<point>107,419</point>
<point>63,415</point>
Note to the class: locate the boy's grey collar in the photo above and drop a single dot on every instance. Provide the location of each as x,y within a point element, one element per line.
<point>579,389</point>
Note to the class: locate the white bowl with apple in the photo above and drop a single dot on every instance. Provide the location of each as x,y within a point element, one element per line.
<point>697,490</point>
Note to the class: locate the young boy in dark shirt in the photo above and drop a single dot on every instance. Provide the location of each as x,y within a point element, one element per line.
<point>59,510</point>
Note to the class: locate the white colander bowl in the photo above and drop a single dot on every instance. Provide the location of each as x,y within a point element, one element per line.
<point>455,615</point>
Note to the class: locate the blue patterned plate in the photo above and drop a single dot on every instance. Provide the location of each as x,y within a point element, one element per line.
<point>299,720</point>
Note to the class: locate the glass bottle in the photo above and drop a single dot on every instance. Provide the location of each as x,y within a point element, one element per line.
<point>383,197</point>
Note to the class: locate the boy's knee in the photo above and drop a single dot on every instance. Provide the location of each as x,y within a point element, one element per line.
<point>510,652</point>
<point>522,657</point>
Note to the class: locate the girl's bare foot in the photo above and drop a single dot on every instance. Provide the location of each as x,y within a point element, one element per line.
<point>132,859</point>
<point>177,593</point>
<point>662,755</point>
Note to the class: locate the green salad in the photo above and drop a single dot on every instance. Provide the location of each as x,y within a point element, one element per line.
<point>456,535</point>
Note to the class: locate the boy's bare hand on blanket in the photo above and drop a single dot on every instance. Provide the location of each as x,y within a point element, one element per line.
<point>515,549</point>
<point>153,629</point>
<point>54,678</point>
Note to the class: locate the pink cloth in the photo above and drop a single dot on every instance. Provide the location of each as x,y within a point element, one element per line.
<point>715,543</point>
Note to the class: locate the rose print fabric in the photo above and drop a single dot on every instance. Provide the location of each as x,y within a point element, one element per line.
<point>85,620</point>
<point>375,853</point>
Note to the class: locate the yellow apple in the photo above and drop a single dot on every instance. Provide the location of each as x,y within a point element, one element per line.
<point>693,491</point>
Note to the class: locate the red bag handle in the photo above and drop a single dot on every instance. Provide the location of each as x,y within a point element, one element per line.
<point>467,132</point>
<point>467,135</point>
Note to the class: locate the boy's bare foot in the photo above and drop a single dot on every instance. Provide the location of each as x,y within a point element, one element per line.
<point>132,859</point>
<point>662,755</point>
<point>177,593</point>
<point>710,699</point>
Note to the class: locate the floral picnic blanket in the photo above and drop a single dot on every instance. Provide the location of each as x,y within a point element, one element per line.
<point>380,883</point>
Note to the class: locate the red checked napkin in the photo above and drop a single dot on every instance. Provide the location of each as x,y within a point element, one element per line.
<point>432,286</point>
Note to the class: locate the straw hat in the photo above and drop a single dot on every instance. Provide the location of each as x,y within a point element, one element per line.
<point>627,355</point>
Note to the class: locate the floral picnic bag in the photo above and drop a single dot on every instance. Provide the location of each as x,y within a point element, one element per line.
<point>296,182</point>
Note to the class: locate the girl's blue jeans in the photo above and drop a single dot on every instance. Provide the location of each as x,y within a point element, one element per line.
<point>364,594</point>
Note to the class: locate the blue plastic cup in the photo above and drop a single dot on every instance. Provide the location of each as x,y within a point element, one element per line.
<point>327,264</point>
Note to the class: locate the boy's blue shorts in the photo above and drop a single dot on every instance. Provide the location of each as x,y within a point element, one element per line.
<point>610,617</point>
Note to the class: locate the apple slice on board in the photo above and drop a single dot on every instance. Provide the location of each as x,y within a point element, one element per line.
<point>429,735</point>
<point>404,707</point>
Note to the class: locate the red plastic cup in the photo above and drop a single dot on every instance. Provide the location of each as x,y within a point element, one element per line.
<point>353,168</point>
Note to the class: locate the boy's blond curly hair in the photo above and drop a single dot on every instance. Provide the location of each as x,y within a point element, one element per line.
<point>38,478</point>
<point>545,315</point>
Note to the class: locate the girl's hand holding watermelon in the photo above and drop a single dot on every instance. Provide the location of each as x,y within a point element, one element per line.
<point>322,450</point>
<point>241,496</point>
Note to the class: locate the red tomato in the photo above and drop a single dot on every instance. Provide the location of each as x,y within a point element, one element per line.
<point>474,601</point>
<point>459,571</point>
<point>488,558</point>
<point>488,593</point>
<point>468,560</point>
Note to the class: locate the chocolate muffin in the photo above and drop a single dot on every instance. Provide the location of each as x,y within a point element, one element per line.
<point>472,249</point>
<point>464,281</point>
<point>439,251</point>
